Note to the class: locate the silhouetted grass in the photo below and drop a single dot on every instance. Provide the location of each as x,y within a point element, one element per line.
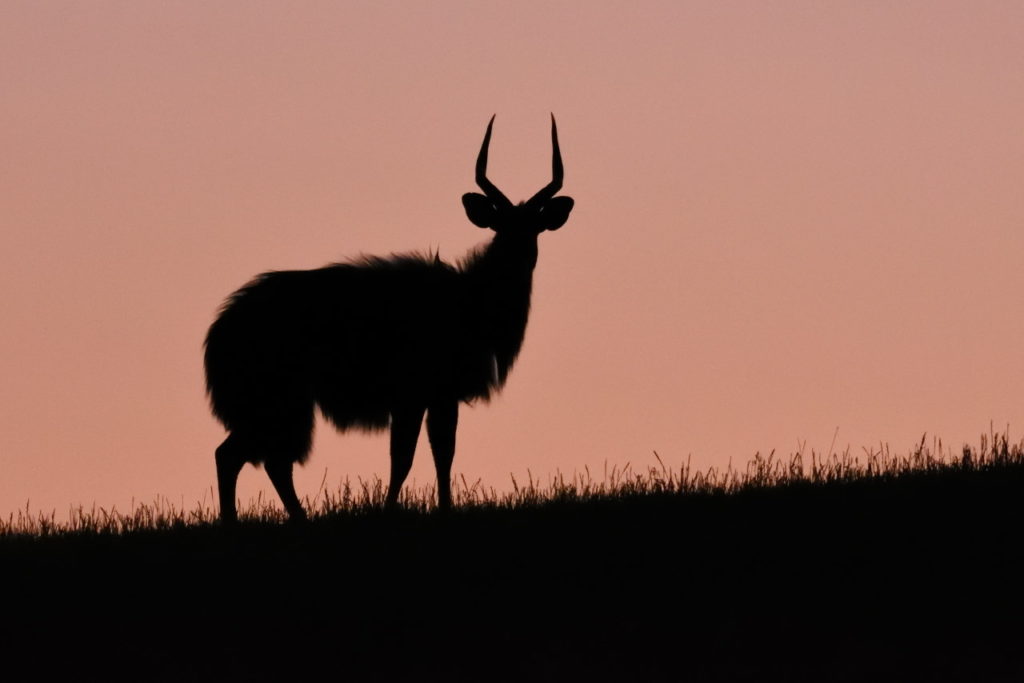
<point>834,567</point>
<point>362,498</point>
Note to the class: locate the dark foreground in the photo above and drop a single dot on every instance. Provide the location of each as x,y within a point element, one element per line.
<point>920,578</point>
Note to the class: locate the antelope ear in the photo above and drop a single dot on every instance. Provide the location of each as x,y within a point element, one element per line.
<point>555,213</point>
<point>479,209</point>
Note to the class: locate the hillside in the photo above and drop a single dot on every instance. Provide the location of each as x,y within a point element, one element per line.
<point>904,568</point>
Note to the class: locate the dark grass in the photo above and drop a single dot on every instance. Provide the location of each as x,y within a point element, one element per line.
<point>839,568</point>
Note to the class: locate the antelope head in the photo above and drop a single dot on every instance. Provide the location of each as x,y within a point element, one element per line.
<point>543,211</point>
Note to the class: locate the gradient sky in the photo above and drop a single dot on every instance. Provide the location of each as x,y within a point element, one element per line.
<point>791,218</point>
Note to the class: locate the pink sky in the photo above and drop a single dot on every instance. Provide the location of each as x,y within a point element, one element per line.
<point>791,218</point>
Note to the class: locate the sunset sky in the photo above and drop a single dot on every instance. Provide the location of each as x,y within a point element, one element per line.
<point>791,218</point>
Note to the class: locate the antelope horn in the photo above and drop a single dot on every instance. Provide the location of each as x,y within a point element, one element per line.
<point>557,172</point>
<point>492,192</point>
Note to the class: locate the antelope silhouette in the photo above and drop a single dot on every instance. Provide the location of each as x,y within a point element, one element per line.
<point>376,342</point>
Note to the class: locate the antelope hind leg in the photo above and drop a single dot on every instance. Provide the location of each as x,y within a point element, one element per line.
<point>230,460</point>
<point>280,472</point>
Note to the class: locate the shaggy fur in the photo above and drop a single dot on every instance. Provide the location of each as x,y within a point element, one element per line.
<point>358,338</point>
<point>375,343</point>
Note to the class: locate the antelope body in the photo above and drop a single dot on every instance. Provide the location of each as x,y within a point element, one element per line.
<point>376,342</point>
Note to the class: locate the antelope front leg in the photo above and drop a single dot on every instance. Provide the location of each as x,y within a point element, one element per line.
<point>405,430</point>
<point>442,420</point>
